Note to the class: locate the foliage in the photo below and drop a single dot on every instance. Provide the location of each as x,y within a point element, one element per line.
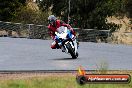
<point>83,13</point>
<point>9,7</point>
<point>27,15</point>
<point>53,81</point>
<point>87,13</point>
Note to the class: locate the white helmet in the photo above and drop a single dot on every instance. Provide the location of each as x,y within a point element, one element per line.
<point>52,19</point>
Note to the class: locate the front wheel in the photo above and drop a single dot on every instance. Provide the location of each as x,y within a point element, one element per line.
<point>71,51</point>
<point>77,54</point>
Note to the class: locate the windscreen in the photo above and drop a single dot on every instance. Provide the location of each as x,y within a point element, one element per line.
<point>61,29</point>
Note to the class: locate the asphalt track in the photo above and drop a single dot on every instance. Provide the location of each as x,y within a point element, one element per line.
<point>35,54</point>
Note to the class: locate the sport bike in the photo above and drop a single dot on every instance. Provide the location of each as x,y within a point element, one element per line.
<point>66,41</point>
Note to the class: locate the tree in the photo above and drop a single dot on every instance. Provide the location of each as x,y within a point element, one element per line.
<point>31,14</point>
<point>88,13</point>
<point>27,15</point>
<point>9,7</point>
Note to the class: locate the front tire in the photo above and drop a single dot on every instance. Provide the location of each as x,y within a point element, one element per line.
<point>77,54</point>
<point>71,51</point>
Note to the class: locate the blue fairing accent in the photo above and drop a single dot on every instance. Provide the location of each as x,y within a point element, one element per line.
<point>56,38</point>
<point>69,34</point>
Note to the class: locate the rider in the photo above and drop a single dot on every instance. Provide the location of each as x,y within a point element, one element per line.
<point>54,23</point>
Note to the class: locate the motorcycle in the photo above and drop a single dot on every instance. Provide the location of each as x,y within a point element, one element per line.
<point>66,41</point>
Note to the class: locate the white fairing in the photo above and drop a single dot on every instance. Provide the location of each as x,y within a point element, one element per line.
<point>61,29</point>
<point>61,32</point>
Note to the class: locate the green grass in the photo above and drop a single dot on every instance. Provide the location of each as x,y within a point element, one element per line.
<point>54,82</point>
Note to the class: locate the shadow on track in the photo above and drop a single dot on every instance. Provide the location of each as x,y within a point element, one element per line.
<point>64,59</point>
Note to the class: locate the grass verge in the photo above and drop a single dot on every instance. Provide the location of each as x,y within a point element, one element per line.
<point>51,81</point>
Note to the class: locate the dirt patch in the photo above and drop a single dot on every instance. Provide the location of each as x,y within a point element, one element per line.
<point>24,75</point>
<point>31,75</point>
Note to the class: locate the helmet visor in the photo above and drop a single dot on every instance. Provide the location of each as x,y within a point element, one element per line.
<point>51,22</point>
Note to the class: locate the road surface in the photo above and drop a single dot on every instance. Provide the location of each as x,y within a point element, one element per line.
<point>36,54</point>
